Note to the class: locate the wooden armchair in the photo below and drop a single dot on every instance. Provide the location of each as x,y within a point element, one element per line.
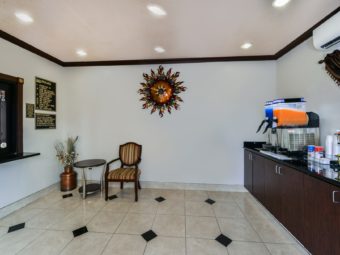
<point>129,156</point>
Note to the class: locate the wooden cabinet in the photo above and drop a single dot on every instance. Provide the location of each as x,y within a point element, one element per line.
<point>259,177</point>
<point>336,201</point>
<point>284,196</point>
<point>308,207</point>
<point>254,174</point>
<point>272,189</point>
<point>248,171</point>
<point>321,222</point>
<point>292,202</point>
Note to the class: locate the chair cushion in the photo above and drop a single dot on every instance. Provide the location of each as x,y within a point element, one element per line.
<point>123,174</point>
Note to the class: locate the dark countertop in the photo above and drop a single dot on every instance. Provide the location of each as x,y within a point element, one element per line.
<point>327,173</point>
<point>13,157</point>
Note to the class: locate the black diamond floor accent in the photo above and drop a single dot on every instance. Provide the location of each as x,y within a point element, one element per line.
<point>149,235</point>
<point>224,240</point>
<point>16,227</point>
<point>210,201</point>
<point>160,199</point>
<point>68,195</point>
<point>112,197</point>
<point>79,231</point>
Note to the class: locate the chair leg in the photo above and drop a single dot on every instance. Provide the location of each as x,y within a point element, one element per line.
<point>139,185</point>
<point>136,190</point>
<point>106,190</point>
<point>121,185</point>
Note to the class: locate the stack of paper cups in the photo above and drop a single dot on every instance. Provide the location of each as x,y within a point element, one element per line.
<point>336,147</point>
<point>329,147</point>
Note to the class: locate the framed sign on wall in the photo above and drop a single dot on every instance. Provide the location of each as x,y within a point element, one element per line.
<point>45,95</point>
<point>45,104</point>
<point>45,121</point>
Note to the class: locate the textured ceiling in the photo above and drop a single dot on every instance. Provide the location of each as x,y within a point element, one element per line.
<point>124,29</point>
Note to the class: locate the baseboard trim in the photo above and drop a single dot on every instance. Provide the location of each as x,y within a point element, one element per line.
<point>4,211</point>
<point>186,186</point>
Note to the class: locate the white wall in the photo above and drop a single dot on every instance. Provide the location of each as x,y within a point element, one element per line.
<point>19,179</point>
<point>299,74</point>
<point>201,143</point>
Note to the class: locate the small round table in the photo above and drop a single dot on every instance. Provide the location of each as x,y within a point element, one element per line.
<point>88,189</point>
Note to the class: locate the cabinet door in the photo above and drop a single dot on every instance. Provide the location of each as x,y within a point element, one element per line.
<point>291,183</point>
<point>248,171</point>
<point>319,217</point>
<point>258,177</point>
<point>272,188</point>
<point>336,204</point>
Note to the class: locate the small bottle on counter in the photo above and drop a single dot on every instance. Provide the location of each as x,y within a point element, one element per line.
<point>319,153</point>
<point>311,151</point>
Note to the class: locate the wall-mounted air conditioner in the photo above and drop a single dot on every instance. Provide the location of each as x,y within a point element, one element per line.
<point>327,35</point>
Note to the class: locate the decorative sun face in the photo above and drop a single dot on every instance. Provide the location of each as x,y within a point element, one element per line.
<point>160,91</point>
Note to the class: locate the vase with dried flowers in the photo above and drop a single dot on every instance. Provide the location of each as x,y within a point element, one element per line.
<point>67,156</point>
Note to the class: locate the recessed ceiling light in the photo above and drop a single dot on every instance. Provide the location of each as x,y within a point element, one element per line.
<point>81,53</point>
<point>159,49</point>
<point>24,17</point>
<point>280,3</point>
<point>246,45</point>
<point>156,10</point>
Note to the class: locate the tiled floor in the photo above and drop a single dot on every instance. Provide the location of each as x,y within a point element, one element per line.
<point>184,224</point>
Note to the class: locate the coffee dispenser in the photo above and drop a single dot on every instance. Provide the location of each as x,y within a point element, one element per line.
<point>291,127</point>
<point>296,138</point>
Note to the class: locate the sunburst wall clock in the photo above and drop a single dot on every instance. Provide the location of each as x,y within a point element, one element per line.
<point>160,91</point>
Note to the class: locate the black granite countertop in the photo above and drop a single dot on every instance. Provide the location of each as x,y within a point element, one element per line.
<point>17,156</point>
<point>327,173</point>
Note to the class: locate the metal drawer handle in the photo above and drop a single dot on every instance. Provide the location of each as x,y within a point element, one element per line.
<point>334,201</point>
<point>279,172</point>
<point>276,169</point>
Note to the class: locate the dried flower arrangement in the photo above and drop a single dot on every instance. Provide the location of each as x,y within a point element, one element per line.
<point>67,156</point>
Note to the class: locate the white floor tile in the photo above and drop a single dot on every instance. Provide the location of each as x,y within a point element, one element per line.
<point>13,242</point>
<point>105,221</point>
<point>198,209</point>
<point>169,225</point>
<point>272,232</point>
<point>247,248</point>
<point>125,245</point>
<point>227,209</point>
<point>202,227</point>
<point>286,249</point>
<point>165,246</point>
<point>87,244</point>
<point>183,222</point>
<point>50,242</point>
<point>136,223</point>
<point>197,246</point>
<point>238,229</point>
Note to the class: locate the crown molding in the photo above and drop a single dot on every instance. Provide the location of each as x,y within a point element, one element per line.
<point>29,47</point>
<point>303,37</point>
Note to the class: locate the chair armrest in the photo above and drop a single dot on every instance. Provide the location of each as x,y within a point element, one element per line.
<point>110,162</point>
